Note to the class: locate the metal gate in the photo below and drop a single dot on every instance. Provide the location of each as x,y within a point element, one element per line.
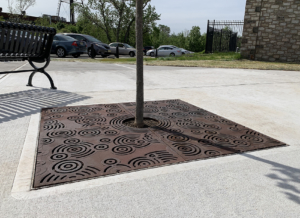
<point>223,36</point>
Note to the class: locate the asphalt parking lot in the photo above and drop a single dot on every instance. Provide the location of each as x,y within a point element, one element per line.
<point>263,183</point>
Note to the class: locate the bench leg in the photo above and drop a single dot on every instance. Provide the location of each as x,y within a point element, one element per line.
<point>47,75</point>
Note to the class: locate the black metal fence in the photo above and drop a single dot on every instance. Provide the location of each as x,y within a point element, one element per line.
<point>223,36</point>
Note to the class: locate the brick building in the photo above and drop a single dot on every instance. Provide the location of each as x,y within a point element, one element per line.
<point>272,30</point>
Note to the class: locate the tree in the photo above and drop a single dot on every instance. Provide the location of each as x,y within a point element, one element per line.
<point>139,116</point>
<point>19,6</point>
<point>194,40</point>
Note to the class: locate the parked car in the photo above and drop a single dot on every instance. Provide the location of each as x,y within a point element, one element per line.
<point>64,45</point>
<point>184,51</point>
<point>124,49</point>
<point>147,48</point>
<point>101,48</point>
<point>165,50</point>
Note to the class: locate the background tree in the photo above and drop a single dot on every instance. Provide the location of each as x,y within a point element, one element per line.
<point>19,5</point>
<point>116,17</point>
<point>194,40</point>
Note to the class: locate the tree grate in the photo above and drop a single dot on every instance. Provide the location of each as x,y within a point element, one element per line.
<point>83,142</point>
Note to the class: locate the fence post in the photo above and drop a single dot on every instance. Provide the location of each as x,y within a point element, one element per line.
<point>155,53</point>
<point>206,49</point>
<point>212,38</point>
<point>220,49</point>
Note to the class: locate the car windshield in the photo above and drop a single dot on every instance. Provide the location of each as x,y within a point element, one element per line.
<point>92,39</point>
<point>128,46</point>
<point>66,38</point>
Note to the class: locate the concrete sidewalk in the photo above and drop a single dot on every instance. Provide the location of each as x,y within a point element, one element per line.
<point>264,183</point>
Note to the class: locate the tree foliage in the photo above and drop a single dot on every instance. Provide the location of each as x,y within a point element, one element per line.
<point>116,17</point>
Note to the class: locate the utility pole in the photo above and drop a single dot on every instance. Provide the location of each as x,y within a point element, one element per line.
<point>139,116</point>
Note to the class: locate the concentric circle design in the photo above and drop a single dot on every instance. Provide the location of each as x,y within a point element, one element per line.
<point>114,110</point>
<point>72,141</point>
<point>141,162</point>
<point>61,134</point>
<point>197,132</point>
<point>175,130</point>
<point>55,116</point>
<point>89,132</point>
<point>197,113</point>
<point>241,143</point>
<point>189,125</point>
<point>251,138</point>
<point>59,156</point>
<point>178,138</point>
<point>123,149</point>
<point>111,161</point>
<point>187,149</point>
<point>112,115</point>
<point>212,126</point>
<point>73,118</point>
<point>212,153</point>
<point>150,110</point>
<point>211,132</point>
<point>111,132</point>
<point>47,141</point>
<point>101,147</point>
<point>78,150</point>
<point>131,140</point>
<point>180,114</point>
<point>68,166</point>
<point>105,140</point>
<point>53,124</point>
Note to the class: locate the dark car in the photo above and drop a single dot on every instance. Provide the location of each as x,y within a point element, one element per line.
<point>64,45</point>
<point>101,48</point>
<point>147,48</point>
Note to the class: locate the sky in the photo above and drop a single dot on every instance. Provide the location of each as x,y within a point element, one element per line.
<point>178,15</point>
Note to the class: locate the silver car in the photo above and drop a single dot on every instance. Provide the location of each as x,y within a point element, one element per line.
<point>124,49</point>
<point>165,50</point>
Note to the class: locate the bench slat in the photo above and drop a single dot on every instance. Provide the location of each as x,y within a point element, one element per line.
<point>17,42</point>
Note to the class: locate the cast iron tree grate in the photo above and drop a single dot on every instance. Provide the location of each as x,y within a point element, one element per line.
<point>83,142</point>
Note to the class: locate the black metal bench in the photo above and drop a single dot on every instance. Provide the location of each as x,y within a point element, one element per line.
<point>20,42</point>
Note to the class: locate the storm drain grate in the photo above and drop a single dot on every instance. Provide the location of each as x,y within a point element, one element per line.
<point>83,142</point>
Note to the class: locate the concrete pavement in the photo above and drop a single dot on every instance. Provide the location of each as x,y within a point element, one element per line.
<point>257,184</point>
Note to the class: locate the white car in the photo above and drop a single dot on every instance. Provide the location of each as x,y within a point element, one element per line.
<point>124,49</point>
<point>165,50</point>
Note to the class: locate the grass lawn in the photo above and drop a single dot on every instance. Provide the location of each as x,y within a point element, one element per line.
<point>216,60</point>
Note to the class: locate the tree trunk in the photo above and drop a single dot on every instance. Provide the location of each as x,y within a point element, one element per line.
<point>139,116</point>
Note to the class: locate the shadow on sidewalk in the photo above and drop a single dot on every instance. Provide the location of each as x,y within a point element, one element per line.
<point>20,104</point>
<point>286,176</point>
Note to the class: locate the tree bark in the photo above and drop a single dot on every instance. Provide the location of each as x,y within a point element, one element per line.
<point>139,116</point>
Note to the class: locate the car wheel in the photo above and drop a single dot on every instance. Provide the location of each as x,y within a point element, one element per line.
<point>61,52</point>
<point>152,54</point>
<point>131,54</point>
<point>89,52</point>
<point>76,55</point>
<point>172,54</point>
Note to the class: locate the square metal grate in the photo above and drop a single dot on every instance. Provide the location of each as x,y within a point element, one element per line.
<point>83,142</point>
